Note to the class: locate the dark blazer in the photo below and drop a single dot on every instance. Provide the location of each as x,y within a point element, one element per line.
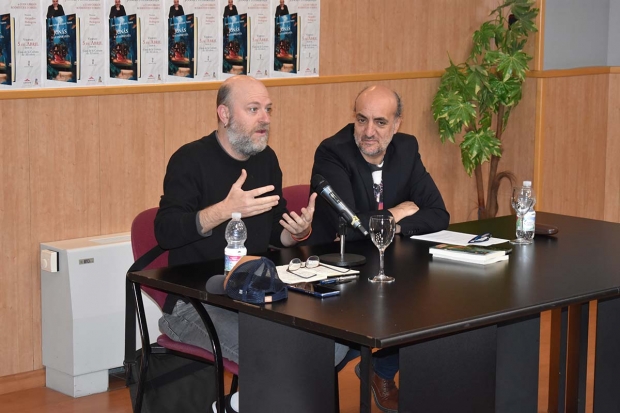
<point>175,13</point>
<point>405,178</point>
<point>232,12</point>
<point>119,13</point>
<point>55,13</point>
<point>280,12</point>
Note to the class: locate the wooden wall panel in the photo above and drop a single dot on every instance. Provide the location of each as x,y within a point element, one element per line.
<point>367,36</point>
<point>64,181</point>
<point>612,166</point>
<point>16,285</point>
<point>132,157</point>
<point>574,148</point>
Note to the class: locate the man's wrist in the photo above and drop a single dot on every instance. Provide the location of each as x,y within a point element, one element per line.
<point>302,238</point>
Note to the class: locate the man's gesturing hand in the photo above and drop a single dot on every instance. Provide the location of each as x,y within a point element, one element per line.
<point>298,226</point>
<point>247,202</point>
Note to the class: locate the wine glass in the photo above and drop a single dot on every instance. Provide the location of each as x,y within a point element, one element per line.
<point>522,199</point>
<point>382,229</point>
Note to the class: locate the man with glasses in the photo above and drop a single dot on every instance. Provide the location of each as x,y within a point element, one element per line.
<point>377,171</point>
<point>230,170</point>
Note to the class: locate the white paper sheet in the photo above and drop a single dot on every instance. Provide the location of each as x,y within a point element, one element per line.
<point>319,273</point>
<point>456,238</point>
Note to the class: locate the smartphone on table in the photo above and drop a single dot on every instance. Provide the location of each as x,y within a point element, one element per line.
<point>316,290</point>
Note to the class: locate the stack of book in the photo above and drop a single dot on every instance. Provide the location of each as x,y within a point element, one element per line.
<point>469,253</point>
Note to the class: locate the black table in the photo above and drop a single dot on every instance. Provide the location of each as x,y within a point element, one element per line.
<point>468,334</point>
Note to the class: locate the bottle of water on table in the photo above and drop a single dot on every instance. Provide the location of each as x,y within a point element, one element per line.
<point>236,234</point>
<point>527,225</point>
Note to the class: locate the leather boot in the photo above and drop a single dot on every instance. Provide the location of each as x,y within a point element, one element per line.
<point>384,392</point>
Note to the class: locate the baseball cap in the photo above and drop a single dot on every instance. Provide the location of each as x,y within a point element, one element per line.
<point>252,280</point>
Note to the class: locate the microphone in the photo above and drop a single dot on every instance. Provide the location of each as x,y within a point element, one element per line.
<point>321,186</point>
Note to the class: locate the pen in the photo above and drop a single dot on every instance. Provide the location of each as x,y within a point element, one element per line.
<point>480,238</point>
<point>339,280</point>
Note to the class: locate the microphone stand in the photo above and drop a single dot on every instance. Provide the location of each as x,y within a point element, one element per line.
<point>343,259</point>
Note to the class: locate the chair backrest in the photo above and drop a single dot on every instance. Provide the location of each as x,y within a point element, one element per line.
<point>296,197</point>
<point>142,241</point>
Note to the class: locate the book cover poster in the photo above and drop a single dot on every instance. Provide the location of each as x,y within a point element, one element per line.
<point>151,31</point>
<point>29,49</point>
<point>181,51</point>
<point>261,23</point>
<point>62,48</point>
<point>91,37</point>
<point>286,52</point>
<point>6,50</point>
<point>124,51</point>
<point>235,44</point>
<point>207,40</point>
<point>308,27</point>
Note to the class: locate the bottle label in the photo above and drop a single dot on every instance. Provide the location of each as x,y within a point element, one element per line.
<point>231,257</point>
<point>529,221</point>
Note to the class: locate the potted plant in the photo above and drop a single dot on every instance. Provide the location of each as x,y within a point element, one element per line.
<point>477,96</point>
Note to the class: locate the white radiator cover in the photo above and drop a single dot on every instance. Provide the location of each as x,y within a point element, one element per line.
<point>83,312</point>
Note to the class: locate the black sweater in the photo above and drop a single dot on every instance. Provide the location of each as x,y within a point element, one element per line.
<point>201,174</point>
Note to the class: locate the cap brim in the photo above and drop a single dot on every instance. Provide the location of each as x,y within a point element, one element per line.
<point>215,284</point>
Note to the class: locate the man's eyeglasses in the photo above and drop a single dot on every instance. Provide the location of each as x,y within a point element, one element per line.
<point>301,268</point>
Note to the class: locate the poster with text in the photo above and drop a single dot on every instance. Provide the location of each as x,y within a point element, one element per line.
<point>89,25</point>
<point>205,47</point>
<point>259,12</point>
<point>25,38</point>
<point>233,39</point>
<point>139,22</point>
<point>296,37</point>
<point>7,48</point>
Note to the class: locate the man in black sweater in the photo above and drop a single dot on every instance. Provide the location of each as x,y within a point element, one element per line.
<point>377,171</point>
<point>231,170</point>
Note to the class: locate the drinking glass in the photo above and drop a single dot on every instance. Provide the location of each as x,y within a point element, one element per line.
<point>522,199</point>
<point>382,229</point>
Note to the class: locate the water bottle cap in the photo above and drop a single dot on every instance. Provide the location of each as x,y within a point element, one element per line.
<point>236,215</point>
<point>527,183</point>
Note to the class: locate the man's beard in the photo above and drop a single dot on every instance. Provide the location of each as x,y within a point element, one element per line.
<point>367,151</point>
<point>241,139</point>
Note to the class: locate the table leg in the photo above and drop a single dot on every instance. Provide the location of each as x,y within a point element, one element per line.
<point>607,366</point>
<point>365,369</point>
<point>454,373</point>
<point>284,369</point>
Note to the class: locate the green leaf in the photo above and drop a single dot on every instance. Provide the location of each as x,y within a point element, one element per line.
<point>482,37</point>
<point>478,147</point>
<point>513,65</point>
<point>446,133</point>
<point>453,78</point>
<point>485,120</point>
<point>507,93</point>
<point>477,78</point>
<point>492,57</point>
<point>462,113</point>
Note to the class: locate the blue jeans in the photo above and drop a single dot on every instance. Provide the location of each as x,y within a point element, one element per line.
<point>384,362</point>
<point>184,325</point>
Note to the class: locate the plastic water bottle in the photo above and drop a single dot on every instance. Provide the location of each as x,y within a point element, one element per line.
<point>236,234</point>
<point>527,226</point>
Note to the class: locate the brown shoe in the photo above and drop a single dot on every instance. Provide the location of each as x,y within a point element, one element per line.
<point>384,392</point>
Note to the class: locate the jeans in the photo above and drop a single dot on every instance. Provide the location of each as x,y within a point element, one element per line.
<point>184,325</point>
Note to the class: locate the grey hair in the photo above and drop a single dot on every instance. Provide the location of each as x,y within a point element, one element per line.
<point>223,95</point>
